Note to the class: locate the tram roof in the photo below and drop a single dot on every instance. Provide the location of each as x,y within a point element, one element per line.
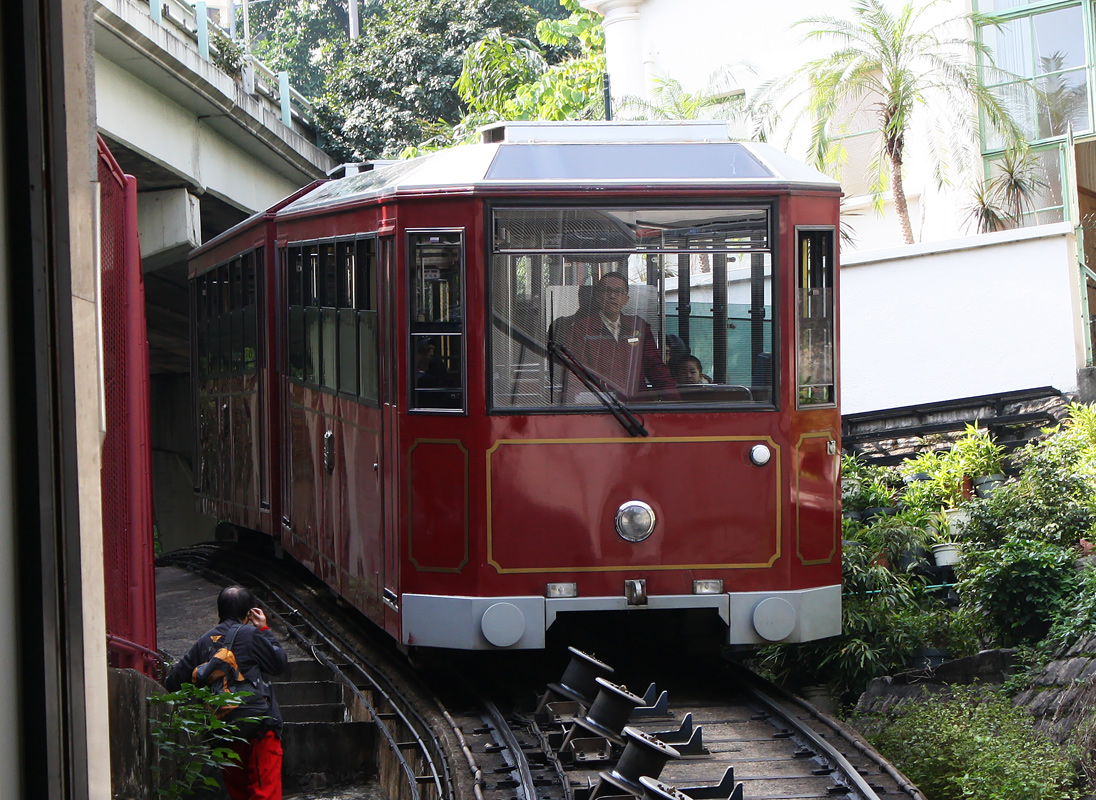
<point>544,155</point>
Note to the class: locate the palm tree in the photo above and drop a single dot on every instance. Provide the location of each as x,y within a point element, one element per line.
<point>999,202</point>
<point>899,64</point>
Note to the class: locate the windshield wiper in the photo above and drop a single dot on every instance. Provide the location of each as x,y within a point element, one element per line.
<point>624,415</point>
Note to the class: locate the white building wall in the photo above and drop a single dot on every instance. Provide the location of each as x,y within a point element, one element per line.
<point>956,319</point>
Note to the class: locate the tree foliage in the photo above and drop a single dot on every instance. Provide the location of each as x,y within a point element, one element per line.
<point>897,64</point>
<point>398,77</point>
<point>512,78</point>
<point>306,38</point>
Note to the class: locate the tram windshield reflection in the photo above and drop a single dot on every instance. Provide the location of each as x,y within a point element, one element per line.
<point>667,306</point>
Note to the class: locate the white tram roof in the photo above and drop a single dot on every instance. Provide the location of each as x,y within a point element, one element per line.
<point>543,155</point>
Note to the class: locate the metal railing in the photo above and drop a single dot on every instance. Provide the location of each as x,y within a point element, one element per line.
<point>190,21</point>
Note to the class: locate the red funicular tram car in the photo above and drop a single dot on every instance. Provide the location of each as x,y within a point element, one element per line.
<point>424,382</point>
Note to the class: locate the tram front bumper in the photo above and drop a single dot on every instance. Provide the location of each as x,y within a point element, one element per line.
<point>520,623</point>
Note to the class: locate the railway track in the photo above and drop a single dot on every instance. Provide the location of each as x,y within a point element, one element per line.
<point>503,727</point>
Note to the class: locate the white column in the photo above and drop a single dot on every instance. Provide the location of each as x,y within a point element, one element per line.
<point>623,45</point>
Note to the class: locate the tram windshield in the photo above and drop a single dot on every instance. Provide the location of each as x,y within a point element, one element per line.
<point>666,305</point>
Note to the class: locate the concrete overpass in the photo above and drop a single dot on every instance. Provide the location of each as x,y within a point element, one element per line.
<point>211,138</point>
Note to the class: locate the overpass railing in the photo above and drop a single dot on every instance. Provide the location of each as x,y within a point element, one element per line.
<point>190,21</point>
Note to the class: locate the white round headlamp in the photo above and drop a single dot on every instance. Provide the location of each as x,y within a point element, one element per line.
<point>635,521</point>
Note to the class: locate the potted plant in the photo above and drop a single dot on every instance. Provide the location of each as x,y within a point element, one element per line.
<point>977,455</point>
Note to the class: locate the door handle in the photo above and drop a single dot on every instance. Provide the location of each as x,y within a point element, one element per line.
<point>329,451</point>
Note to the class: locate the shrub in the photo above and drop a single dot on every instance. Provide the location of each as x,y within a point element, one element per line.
<point>975,744</point>
<point>190,740</point>
<point>1020,587</point>
<point>1054,499</point>
<point>879,631</point>
<point>1076,616</point>
<point>865,485</point>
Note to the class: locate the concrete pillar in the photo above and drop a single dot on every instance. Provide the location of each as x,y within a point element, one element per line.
<point>624,51</point>
<point>170,226</point>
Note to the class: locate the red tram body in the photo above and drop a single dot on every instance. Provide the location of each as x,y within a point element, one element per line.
<point>390,381</point>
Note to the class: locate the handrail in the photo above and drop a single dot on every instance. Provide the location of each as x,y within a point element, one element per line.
<point>190,20</point>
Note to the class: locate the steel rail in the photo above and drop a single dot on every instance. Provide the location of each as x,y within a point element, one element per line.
<point>824,748</point>
<point>439,777</point>
<point>901,780</point>
<point>521,764</point>
<point>409,772</point>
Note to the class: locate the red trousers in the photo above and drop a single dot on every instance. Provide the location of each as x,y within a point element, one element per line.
<point>259,774</point>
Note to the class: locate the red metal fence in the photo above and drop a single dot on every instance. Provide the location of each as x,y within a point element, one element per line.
<point>126,470</point>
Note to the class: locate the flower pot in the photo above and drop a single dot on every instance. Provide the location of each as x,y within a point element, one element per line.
<point>869,514</point>
<point>850,487</point>
<point>946,554</point>
<point>988,484</point>
<point>957,521</point>
<point>913,560</point>
<point>915,477</point>
<point>929,657</point>
<point>821,697</point>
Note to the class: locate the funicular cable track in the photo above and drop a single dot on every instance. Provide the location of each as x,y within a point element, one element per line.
<point>471,736</point>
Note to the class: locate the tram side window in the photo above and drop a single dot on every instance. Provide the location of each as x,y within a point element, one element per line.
<point>331,324</point>
<point>224,310</point>
<point>236,316</point>
<point>437,321</point>
<point>328,275</point>
<point>312,315</point>
<point>368,345</point>
<point>815,318</point>
<point>252,263</point>
<point>200,289</point>
<point>345,258</point>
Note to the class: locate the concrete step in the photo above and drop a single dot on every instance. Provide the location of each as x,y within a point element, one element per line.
<point>322,754</point>
<point>299,693</point>
<point>318,712</point>
<point>306,671</point>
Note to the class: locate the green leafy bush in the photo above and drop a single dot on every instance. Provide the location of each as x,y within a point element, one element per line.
<point>975,744</point>
<point>1054,499</point>
<point>1076,616</point>
<point>1020,587</point>
<point>190,740</point>
<point>865,485</point>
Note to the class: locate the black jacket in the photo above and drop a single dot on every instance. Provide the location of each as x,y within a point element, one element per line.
<point>258,655</point>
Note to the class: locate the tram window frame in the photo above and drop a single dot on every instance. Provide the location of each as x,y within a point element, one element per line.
<point>253,261</point>
<point>236,316</point>
<point>346,325</point>
<point>293,264</point>
<point>815,317</point>
<point>200,302</point>
<point>759,257</point>
<point>331,280</point>
<point>368,332</point>
<point>443,334</point>
<point>224,330</point>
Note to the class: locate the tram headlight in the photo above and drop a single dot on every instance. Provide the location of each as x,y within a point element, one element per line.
<point>635,521</point>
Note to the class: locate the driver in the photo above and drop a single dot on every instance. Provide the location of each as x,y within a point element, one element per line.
<point>618,348</point>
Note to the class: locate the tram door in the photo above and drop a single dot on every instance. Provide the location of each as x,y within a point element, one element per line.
<point>389,468</point>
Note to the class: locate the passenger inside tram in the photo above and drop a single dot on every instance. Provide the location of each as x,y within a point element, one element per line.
<point>618,348</point>
<point>688,371</point>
